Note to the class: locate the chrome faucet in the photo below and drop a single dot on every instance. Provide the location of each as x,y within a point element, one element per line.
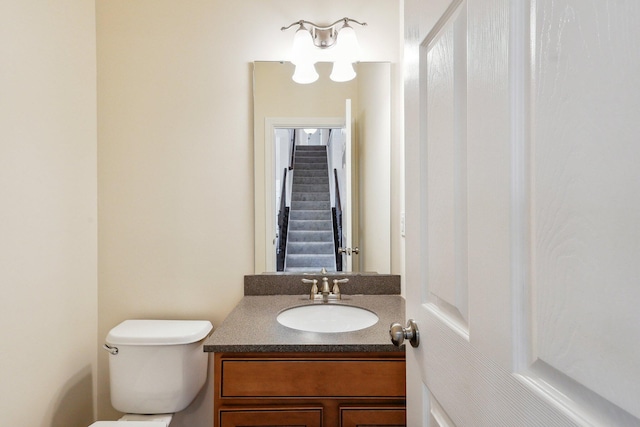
<point>325,292</point>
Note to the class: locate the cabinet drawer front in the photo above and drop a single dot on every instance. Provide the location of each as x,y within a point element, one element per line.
<point>303,417</point>
<point>315,378</point>
<point>372,417</point>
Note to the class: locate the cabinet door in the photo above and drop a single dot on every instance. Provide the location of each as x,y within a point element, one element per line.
<point>272,417</point>
<point>372,417</point>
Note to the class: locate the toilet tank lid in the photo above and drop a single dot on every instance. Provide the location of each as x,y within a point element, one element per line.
<point>159,332</point>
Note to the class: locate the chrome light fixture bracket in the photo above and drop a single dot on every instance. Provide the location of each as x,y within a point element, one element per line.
<point>323,36</point>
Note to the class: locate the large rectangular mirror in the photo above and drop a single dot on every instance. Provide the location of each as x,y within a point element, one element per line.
<point>355,140</point>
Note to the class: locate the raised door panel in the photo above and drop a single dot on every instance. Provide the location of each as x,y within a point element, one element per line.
<point>585,183</point>
<point>446,284</point>
<point>280,417</point>
<point>372,417</point>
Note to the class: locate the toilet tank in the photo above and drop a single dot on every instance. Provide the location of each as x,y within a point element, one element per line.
<point>159,365</point>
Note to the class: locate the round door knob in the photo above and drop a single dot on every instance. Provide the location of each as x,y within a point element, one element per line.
<point>398,334</point>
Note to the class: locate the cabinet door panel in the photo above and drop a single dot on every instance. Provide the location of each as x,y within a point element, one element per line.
<point>285,417</point>
<point>372,417</point>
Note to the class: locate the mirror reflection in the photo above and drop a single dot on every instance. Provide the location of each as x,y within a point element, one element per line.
<point>360,129</point>
<point>311,168</point>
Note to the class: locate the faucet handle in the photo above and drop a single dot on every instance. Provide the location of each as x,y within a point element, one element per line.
<point>336,288</point>
<point>314,287</point>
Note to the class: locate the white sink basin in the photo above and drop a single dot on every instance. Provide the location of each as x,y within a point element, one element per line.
<point>327,318</point>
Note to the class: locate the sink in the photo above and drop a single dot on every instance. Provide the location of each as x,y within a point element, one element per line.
<point>327,318</point>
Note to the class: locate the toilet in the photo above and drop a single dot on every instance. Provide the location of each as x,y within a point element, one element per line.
<point>156,368</point>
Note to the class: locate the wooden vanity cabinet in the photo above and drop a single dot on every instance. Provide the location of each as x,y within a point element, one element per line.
<point>309,389</point>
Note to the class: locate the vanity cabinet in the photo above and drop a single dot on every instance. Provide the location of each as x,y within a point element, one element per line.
<point>309,389</point>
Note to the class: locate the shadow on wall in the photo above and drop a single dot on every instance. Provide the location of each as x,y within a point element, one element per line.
<point>200,412</point>
<point>74,406</point>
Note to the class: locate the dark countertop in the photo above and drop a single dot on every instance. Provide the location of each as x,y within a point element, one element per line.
<point>252,327</point>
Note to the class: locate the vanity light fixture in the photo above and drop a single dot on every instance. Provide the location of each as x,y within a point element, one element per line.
<point>314,43</point>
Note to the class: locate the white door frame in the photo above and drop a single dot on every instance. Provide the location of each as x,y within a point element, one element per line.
<point>270,125</point>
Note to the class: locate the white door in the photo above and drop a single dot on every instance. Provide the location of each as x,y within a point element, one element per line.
<point>347,208</point>
<point>523,212</point>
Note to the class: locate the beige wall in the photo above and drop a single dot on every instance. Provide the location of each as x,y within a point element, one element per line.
<point>175,151</point>
<point>175,177</point>
<point>48,237</point>
<point>373,126</point>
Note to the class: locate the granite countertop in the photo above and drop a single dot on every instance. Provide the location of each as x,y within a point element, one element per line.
<point>291,284</point>
<point>252,327</point>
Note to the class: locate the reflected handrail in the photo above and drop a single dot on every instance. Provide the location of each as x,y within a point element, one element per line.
<point>283,225</point>
<point>293,149</point>
<point>337,221</point>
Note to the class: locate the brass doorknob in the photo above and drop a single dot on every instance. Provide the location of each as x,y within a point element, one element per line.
<point>398,334</point>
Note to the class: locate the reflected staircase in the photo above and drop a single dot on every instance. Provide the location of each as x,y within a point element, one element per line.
<point>310,239</point>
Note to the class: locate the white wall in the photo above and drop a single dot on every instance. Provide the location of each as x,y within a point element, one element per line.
<point>48,235</point>
<point>175,156</point>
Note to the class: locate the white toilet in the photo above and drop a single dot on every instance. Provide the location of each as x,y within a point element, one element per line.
<point>156,368</point>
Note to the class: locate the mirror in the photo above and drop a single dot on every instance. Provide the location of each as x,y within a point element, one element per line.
<point>280,103</point>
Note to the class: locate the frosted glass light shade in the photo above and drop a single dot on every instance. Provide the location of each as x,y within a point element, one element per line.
<point>305,73</point>
<point>347,45</point>
<point>342,71</point>
<point>302,50</point>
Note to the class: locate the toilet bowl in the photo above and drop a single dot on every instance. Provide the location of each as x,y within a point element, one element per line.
<point>156,368</point>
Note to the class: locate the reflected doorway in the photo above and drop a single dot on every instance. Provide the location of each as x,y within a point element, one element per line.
<point>311,178</point>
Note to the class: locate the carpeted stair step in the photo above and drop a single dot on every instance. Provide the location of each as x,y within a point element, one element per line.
<point>312,225</point>
<point>311,188</point>
<point>309,236</point>
<point>307,205</point>
<point>311,180</point>
<point>310,173</point>
<point>322,215</point>
<point>311,166</point>
<point>317,196</point>
<point>322,248</point>
<point>311,260</point>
